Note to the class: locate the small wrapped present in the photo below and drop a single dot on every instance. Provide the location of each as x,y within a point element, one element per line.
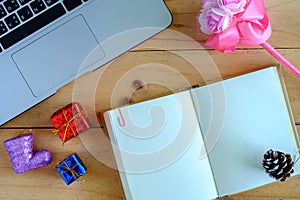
<point>69,121</point>
<point>23,158</point>
<point>71,168</point>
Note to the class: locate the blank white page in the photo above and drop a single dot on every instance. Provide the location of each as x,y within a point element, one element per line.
<point>252,117</point>
<point>158,150</point>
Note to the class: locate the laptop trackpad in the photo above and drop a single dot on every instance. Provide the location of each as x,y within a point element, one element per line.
<point>56,57</point>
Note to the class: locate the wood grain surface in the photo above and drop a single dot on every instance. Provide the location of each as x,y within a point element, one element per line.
<point>170,61</point>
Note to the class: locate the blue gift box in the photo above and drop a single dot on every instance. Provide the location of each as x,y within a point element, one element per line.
<point>71,168</point>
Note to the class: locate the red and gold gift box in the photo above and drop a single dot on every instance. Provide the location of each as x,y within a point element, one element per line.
<point>69,121</point>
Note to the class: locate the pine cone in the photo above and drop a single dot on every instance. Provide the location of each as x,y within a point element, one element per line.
<point>278,164</point>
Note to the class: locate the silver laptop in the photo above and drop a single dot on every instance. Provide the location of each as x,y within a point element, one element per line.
<point>43,43</point>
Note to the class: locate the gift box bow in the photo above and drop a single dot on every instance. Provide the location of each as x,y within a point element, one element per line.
<point>70,118</point>
<point>71,168</point>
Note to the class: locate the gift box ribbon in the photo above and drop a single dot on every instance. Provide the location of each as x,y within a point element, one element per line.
<point>75,175</point>
<point>67,126</point>
<point>74,168</point>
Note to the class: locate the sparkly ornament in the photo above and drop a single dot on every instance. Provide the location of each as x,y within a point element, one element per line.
<point>71,169</point>
<point>23,158</point>
<point>69,121</point>
<point>278,164</point>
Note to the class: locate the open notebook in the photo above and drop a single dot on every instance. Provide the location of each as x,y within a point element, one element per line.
<point>205,142</point>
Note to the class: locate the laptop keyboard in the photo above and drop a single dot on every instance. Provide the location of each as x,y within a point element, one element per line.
<point>20,18</point>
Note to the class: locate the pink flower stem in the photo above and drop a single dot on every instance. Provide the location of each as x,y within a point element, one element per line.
<point>281,59</point>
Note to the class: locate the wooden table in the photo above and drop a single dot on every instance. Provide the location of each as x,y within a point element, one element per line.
<point>171,57</point>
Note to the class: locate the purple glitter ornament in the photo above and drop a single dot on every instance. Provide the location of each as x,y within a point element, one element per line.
<point>20,150</point>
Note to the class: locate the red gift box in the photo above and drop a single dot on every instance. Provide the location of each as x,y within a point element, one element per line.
<point>69,121</point>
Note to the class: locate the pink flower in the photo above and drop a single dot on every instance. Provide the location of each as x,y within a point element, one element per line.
<point>207,4</point>
<point>213,19</point>
<point>232,6</point>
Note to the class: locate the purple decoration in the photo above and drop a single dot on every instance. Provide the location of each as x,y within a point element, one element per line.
<point>20,150</point>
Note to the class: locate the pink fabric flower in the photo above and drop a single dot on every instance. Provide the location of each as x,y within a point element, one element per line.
<point>232,22</point>
<point>206,4</point>
<point>232,6</point>
<point>213,20</point>
<point>248,26</point>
